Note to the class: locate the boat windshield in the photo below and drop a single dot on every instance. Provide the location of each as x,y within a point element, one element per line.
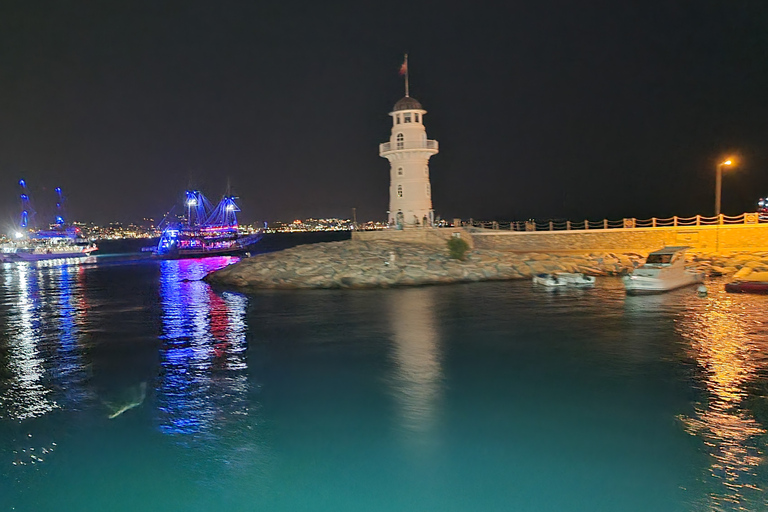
<point>659,259</point>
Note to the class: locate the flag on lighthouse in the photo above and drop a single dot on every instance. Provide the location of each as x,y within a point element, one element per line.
<point>404,67</point>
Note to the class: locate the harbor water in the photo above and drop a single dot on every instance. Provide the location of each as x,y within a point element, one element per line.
<point>129,384</point>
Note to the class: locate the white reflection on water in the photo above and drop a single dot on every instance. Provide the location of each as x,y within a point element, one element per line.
<point>418,378</point>
<point>203,382</point>
<point>27,394</point>
<point>729,345</point>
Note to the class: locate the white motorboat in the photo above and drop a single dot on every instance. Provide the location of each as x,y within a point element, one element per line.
<point>663,270</point>
<point>564,279</point>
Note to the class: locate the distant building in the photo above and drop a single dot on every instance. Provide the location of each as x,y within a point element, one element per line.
<point>408,152</point>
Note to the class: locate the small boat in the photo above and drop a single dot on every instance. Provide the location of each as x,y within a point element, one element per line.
<point>757,282</point>
<point>663,270</point>
<point>564,279</point>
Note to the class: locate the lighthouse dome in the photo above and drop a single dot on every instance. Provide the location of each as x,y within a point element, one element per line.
<point>407,103</point>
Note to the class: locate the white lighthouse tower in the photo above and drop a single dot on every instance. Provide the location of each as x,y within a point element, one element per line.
<point>408,152</point>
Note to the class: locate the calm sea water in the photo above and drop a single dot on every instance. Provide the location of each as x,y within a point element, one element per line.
<point>131,385</point>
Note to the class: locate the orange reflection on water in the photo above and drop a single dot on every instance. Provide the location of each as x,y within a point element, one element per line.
<point>729,346</point>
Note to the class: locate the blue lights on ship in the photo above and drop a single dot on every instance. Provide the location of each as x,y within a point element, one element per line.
<point>205,230</point>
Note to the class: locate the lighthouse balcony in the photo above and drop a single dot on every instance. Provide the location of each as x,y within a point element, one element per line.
<point>407,145</point>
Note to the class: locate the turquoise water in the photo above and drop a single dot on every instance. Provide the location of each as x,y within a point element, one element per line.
<point>130,385</point>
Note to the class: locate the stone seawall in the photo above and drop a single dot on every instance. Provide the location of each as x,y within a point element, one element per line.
<point>429,236</point>
<point>702,238</point>
<point>711,239</point>
<point>387,263</point>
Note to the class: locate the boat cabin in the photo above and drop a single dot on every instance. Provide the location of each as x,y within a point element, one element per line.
<point>666,257</point>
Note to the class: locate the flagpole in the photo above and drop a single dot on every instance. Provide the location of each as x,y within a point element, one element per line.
<point>406,75</point>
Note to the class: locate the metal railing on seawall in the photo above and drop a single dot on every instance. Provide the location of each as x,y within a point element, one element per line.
<point>626,223</point>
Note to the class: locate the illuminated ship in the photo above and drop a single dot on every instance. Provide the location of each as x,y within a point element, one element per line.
<point>205,231</point>
<point>60,241</point>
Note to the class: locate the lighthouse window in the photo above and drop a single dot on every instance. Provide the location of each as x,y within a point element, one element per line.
<point>407,118</point>
<point>398,118</point>
<point>427,189</point>
<point>400,143</point>
<point>399,191</point>
<point>399,171</point>
<point>416,117</point>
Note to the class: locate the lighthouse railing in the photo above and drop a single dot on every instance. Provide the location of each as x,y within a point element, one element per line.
<point>408,144</point>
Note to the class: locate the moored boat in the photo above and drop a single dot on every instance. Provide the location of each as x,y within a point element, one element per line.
<point>664,270</point>
<point>560,279</point>
<point>757,282</point>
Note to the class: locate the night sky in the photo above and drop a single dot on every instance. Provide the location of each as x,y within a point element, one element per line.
<point>542,109</point>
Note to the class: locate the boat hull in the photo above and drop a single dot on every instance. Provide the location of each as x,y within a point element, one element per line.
<point>758,287</point>
<point>640,285</point>
<point>238,247</point>
<point>42,257</point>
<point>177,255</point>
<point>559,280</point>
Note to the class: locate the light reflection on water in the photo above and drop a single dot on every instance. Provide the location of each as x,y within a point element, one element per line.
<point>203,381</point>
<point>729,343</point>
<point>66,332</point>
<point>418,378</point>
<point>26,394</point>
<point>49,323</point>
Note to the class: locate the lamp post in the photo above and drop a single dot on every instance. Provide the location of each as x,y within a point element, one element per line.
<point>719,185</point>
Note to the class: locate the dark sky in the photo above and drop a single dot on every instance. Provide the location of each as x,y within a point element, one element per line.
<point>542,108</point>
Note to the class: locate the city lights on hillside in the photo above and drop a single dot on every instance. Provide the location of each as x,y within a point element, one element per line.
<point>148,229</point>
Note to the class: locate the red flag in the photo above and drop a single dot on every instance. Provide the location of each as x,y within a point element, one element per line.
<point>403,68</point>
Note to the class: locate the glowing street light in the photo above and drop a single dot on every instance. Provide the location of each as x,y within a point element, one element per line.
<point>719,185</point>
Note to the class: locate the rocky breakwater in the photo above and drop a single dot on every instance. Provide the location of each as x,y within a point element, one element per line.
<point>737,265</point>
<point>381,264</point>
<point>377,264</point>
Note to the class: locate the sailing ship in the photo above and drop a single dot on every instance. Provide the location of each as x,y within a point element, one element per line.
<point>58,242</point>
<point>205,230</point>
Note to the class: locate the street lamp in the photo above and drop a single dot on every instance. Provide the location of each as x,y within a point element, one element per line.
<point>719,185</point>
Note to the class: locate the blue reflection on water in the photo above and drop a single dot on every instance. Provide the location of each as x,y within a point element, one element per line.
<point>203,377</point>
<point>70,373</point>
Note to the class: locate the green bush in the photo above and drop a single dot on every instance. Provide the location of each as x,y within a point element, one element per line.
<point>457,248</point>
